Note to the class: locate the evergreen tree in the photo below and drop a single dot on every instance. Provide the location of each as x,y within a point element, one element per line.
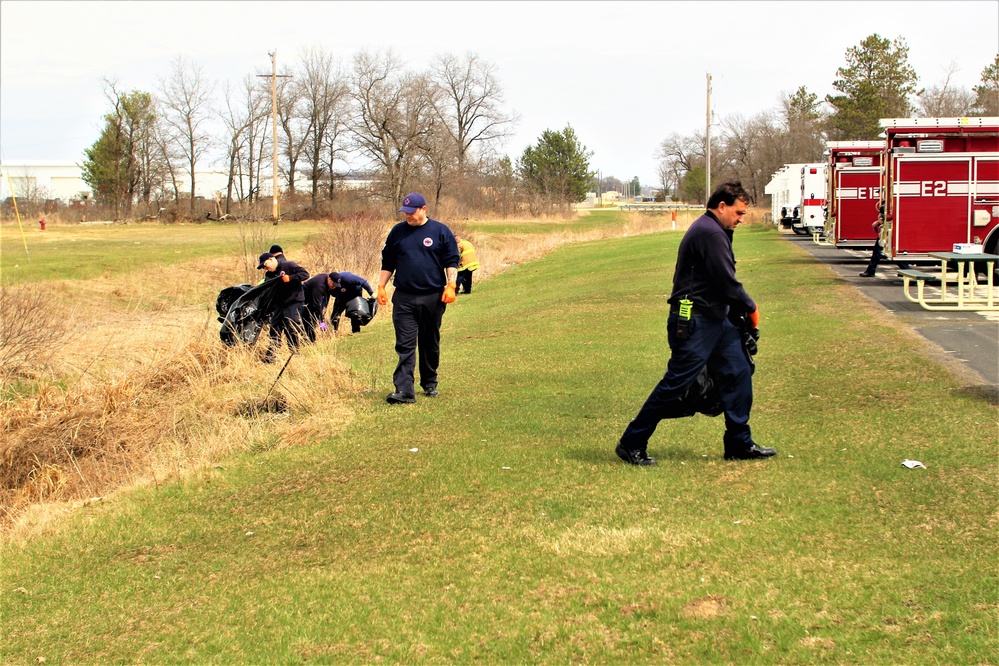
<point>876,83</point>
<point>987,94</point>
<point>557,168</point>
<point>117,166</point>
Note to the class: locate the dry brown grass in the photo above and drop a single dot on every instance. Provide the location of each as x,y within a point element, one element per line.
<point>144,390</point>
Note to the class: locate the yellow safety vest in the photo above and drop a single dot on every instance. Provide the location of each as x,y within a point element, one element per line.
<point>467,260</point>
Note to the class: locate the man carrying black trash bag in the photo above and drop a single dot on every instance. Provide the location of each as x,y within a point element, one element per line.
<point>348,298</point>
<point>287,300</point>
<point>701,333</point>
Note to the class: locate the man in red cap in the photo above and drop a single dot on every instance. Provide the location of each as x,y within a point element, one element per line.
<point>423,255</point>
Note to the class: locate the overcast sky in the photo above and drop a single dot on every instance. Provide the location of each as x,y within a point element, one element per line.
<point>625,75</point>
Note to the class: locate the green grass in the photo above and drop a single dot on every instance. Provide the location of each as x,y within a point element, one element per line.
<point>83,252</point>
<point>515,535</point>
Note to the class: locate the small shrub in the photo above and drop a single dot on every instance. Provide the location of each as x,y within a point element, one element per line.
<point>30,330</point>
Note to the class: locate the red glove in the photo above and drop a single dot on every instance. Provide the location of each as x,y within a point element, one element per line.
<point>448,296</point>
<point>382,296</point>
<point>754,317</point>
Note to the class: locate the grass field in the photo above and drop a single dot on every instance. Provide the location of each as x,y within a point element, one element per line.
<point>494,524</point>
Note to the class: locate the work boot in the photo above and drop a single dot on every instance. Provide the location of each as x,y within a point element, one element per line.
<point>753,452</point>
<point>634,457</point>
<point>400,399</point>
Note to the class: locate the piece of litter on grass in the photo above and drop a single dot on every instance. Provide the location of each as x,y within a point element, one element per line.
<point>249,534</point>
<point>414,450</point>
<point>506,468</point>
<point>790,456</point>
<point>913,464</point>
<point>736,522</point>
<point>704,455</point>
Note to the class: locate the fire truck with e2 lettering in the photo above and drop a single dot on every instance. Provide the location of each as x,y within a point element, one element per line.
<point>854,178</point>
<point>940,184</point>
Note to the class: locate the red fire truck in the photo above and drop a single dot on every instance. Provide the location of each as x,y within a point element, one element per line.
<point>854,180</point>
<point>940,184</point>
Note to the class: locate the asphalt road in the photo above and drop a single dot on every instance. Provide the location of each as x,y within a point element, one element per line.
<point>970,340</point>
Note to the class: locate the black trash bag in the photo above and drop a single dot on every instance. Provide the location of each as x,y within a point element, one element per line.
<point>702,397</point>
<point>750,337</point>
<point>361,310</point>
<point>247,312</point>
<point>227,297</point>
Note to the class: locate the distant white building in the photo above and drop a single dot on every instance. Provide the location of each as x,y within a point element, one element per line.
<point>61,180</point>
<point>42,180</point>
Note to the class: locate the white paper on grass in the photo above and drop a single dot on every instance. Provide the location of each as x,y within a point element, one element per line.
<point>913,464</point>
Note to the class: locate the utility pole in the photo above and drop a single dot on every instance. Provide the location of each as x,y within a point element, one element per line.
<point>276,207</point>
<point>707,148</point>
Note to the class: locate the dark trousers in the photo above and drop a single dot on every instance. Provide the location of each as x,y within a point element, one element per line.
<point>718,344</point>
<point>464,279</point>
<point>310,320</point>
<point>339,305</point>
<point>287,320</point>
<point>877,254</point>
<point>417,322</point>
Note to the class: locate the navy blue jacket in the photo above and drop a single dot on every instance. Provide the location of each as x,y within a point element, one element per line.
<point>419,255</point>
<point>349,286</point>
<point>287,293</point>
<point>705,271</point>
<point>317,294</point>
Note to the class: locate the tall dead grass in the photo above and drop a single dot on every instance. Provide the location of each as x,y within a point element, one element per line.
<point>145,391</point>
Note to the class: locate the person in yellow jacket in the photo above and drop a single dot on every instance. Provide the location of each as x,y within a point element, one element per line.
<point>467,262</point>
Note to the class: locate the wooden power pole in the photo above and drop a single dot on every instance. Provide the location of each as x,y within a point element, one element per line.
<point>275,197</point>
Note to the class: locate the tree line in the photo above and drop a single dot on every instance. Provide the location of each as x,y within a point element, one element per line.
<point>876,82</point>
<point>440,130</point>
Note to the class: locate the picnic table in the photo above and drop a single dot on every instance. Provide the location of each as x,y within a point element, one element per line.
<point>969,295</point>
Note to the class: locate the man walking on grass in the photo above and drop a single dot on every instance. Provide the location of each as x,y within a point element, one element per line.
<point>423,255</point>
<point>706,294</point>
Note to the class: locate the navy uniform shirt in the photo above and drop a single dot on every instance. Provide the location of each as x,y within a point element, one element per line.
<point>705,271</point>
<point>349,286</point>
<point>418,256</point>
<point>317,294</point>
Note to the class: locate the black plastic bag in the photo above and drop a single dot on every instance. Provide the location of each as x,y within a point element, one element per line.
<point>361,310</point>
<point>246,310</point>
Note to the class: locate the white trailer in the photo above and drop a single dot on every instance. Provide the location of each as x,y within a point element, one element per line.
<point>784,189</point>
<point>813,198</point>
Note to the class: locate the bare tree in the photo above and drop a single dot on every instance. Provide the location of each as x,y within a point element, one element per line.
<point>945,100</point>
<point>440,154</point>
<point>393,116</point>
<point>242,120</point>
<point>681,159</point>
<point>258,140</point>
<point>294,124</point>
<point>324,92</point>
<point>468,104</point>
<point>187,99</point>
